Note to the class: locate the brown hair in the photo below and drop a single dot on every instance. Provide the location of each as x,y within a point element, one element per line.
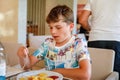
<point>60,10</point>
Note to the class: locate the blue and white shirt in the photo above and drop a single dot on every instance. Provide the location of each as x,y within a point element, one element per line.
<point>66,56</point>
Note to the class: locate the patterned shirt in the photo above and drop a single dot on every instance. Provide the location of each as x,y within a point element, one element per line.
<point>66,56</point>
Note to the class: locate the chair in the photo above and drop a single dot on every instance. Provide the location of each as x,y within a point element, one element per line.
<point>36,41</point>
<point>102,64</point>
<point>11,49</point>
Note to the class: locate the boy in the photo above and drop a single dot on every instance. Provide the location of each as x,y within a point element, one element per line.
<point>63,53</point>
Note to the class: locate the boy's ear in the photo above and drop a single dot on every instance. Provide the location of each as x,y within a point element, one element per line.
<point>71,26</point>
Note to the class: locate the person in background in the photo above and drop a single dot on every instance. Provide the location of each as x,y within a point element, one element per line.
<point>105,26</point>
<point>79,10</point>
<point>63,53</point>
<point>80,29</point>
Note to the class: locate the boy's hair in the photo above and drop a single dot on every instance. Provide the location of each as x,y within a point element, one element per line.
<point>60,11</point>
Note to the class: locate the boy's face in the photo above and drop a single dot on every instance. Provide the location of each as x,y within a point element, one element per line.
<point>60,31</point>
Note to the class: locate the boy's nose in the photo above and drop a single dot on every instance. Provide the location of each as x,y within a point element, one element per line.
<point>53,31</point>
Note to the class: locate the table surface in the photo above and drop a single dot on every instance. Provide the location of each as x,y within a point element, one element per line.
<point>12,71</point>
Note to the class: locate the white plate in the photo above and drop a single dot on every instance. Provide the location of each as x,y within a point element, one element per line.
<point>35,72</point>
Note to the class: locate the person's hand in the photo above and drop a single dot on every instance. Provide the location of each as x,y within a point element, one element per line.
<point>23,56</point>
<point>22,52</point>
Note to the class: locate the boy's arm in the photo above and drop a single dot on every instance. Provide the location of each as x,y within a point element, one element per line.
<point>81,73</point>
<point>26,61</point>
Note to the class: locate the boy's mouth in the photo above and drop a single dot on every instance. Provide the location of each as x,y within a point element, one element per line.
<point>55,36</point>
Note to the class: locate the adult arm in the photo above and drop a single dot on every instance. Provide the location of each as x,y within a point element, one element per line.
<point>83,19</point>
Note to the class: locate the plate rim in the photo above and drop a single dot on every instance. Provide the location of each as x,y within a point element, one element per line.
<point>35,72</point>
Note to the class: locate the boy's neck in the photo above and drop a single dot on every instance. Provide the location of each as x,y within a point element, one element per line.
<point>58,44</point>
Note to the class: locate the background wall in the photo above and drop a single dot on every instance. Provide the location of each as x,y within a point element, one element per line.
<point>13,21</point>
<point>82,1</point>
<point>9,20</point>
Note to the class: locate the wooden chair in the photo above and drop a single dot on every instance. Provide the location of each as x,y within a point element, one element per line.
<point>102,64</point>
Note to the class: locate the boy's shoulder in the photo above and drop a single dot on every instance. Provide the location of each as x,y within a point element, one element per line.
<point>79,37</point>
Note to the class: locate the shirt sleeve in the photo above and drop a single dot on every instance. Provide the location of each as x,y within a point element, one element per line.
<point>39,53</point>
<point>82,51</point>
<point>87,6</point>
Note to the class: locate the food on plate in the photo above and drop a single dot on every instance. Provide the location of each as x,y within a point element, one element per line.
<point>49,78</point>
<point>32,78</point>
<point>40,76</point>
<point>22,78</point>
<point>53,77</point>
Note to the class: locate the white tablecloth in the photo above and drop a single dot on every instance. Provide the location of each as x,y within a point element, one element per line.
<point>12,71</point>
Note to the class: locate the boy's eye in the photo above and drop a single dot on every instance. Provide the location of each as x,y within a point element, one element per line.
<point>58,27</point>
<point>50,27</point>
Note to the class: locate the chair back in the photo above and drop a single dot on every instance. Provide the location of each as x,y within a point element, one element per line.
<point>36,41</point>
<point>11,49</point>
<point>102,62</point>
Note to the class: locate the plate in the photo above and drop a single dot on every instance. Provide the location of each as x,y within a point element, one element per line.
<point>35,72</point>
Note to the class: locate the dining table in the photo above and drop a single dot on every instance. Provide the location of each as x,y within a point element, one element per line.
<point>12,72</point>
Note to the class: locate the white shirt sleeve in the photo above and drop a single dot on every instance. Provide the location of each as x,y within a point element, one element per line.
<point>87,6</point>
